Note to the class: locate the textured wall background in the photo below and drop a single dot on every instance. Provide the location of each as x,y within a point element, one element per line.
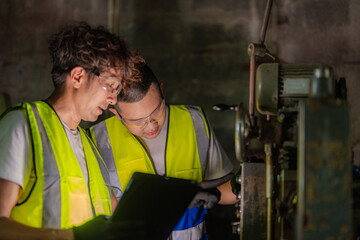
<point>198,48</point>
<point>24,28</point>
<point>325,32</point>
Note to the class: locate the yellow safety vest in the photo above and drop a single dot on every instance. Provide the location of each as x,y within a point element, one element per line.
<point>130,153</point>
<point>56,195</point>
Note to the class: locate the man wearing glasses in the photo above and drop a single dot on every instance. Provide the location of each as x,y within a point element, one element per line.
<point>51,175</point>
<point>169,140</point>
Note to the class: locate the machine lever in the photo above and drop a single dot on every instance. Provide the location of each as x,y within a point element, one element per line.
<point>224,107</point>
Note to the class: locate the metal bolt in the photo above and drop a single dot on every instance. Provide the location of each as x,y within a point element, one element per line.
<point>238,179</point>
<point>238,196</point>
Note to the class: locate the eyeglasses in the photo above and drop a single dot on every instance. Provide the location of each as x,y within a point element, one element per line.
<point>110,83</point>
<point>154,117</point>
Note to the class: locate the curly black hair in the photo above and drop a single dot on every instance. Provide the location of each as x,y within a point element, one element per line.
<point>94,49</point>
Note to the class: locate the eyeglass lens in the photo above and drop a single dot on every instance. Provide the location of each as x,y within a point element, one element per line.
<point>155,116</point>
<point>111,84</point>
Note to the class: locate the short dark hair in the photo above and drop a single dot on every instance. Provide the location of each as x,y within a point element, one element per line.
<point>137,90</point>
<point>94,49</point>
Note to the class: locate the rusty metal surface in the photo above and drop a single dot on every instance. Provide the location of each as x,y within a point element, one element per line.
<point>253,199</point>
<point>324,165</point>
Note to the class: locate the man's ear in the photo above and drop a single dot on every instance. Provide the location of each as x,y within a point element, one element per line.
<point>162,89</point>
<point>113,110</point>
<point>77,75</point>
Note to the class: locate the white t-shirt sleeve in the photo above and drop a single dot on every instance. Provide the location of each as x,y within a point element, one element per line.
<point>218,164</point>
<point>14,148</point>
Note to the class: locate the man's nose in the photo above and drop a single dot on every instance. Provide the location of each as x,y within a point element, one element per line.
<point>150,122</point>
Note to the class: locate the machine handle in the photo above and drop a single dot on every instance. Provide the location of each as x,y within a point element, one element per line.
<point>224,107</point>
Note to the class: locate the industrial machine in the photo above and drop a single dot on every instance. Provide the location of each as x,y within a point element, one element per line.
<point>295,161</point>
<point>292,143</point>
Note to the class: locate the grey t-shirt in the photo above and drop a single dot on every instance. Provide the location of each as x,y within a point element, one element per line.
<point>218,164</point>
<point>15,148</point>
<point>156,147</point>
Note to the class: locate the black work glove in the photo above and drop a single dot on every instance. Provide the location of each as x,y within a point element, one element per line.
<point>102,228</point>
<point>207,198</point>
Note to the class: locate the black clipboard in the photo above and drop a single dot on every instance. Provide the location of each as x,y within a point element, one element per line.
<point>158,201</point>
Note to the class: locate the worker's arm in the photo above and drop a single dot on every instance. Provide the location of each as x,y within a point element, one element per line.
<point>227,196</point>
<point>224,186</point>
<point>211,194</point>
<point>215,191</point>
<point>10,229</point>
<point>114,201</point>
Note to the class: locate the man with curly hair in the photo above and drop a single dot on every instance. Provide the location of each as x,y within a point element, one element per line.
<point>51,175</point>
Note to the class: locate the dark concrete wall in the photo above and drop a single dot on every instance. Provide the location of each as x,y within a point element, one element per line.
<point>324,32</point>
<point>24,29</point>
<point>198,48</point>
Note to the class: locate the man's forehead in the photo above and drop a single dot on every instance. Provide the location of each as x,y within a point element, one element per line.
<point>140,109</point>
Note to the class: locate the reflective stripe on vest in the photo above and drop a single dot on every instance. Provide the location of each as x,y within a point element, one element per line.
<point>106,153</point>
<point>201,137</point>
<point>51,215</point>
<point>60,197</point>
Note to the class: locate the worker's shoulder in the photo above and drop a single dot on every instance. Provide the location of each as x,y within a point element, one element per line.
<point>194,107</point>
<point>196,112</point>
<point>189,107</point>
<point>15,116</point>
<point>14,128</point>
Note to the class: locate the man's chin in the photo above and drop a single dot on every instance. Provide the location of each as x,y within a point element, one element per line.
<point>91,118</point>
<point>152,135</point>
